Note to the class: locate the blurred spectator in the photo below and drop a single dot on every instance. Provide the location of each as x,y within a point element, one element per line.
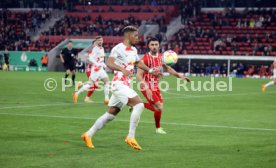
<point>208,69</point>
<point>7,60</point>
<point>80,66</point>
<point>252,23</point>
<point>250,71</point>
<point>262,71</point>
<point>1,61</point>
<point>240,69</point>
<point>216,69</point>
<point>33,63</point>
<point>224,69</point>
<point>44,60</point>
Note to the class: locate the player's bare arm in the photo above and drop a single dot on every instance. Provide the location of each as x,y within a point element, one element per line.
<point>61,58</point>
<point>111,64</point>
<point>144,67</point>
<point>171,71</point>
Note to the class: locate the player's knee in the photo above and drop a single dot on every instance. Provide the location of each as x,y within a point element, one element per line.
<point>110,117</point>
<point>105,81</point>
<point>113,110</point>
<point>139,106</point>
<point>90,82</point>
<point>159,107</point>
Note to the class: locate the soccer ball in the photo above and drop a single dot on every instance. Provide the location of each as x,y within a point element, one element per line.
<point>170,57</point>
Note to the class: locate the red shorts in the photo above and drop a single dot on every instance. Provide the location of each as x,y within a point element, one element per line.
<point>88,73</point>
<point>156,96</point>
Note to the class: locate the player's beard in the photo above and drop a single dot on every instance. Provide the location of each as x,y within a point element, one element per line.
<point>100,45</point>
<point>153,52</point>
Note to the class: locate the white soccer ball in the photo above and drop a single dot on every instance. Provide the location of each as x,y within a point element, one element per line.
<point>170,57</point>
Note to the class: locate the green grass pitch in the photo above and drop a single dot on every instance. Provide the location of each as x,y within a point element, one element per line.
<point>205,129</point>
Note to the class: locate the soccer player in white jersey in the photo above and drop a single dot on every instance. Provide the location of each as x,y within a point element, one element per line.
<point>273,82</point>
<point>96,58</point>
<point>122,59</point>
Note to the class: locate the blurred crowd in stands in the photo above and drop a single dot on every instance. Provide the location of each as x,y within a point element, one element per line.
<point>69,4</point>
<point>131,2</point>
<point>14,27</point>
<point>229,32</point>
<point>76,26</point>
<point>238,69</point>
<point>248,32</point>
<point>71,25</point>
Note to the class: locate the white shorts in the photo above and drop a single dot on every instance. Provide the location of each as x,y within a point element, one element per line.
<point>96,75</point>
<point>274,73</point>
<point>120,95</point>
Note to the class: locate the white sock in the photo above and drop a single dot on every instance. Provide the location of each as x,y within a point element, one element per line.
<point>83,88</point>
<point>106,91</point>
<point>269,83</point>
<point>134,119</point>
<point>100,123</point>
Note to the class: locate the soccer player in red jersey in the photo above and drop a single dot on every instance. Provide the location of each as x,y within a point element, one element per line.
<point>149,83</point>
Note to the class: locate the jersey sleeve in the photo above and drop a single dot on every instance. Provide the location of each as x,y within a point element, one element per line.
<point>94,52</point>
<point>145,59</point>
<point>92,57</point>
<point>114,52</point>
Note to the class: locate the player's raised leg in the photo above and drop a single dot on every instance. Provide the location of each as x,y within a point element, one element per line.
<point>273,82</point>
<point>109,115</point>
<point>89,93</point>
<point>84,87</point>
<point>106,88</point>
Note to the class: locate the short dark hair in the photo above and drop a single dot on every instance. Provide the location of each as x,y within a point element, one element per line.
<point>128,29</point>
<point>69,41</point>
<point>152,39</point>
<point>98,37</point>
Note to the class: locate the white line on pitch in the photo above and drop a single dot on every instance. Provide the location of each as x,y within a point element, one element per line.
<point>45,105</point>
<point>180,96</point>
<point>147,122</point>
<point>221,95</point>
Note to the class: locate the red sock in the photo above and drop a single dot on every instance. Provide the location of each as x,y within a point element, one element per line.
<point>157,118</point>
<point>149,106</point>
<point>91,90</point>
